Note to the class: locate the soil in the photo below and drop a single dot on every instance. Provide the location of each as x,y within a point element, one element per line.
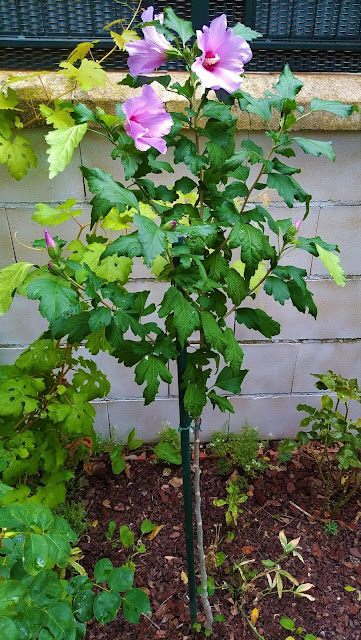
<point>276,500</point>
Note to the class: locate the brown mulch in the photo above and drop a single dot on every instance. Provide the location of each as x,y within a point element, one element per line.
<point>330,562</point>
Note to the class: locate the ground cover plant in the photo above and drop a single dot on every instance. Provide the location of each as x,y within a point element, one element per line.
<point>207,236</point>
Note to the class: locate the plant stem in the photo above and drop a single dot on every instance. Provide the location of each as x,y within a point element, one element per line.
<point>200,543</point>
<point>184,420</point>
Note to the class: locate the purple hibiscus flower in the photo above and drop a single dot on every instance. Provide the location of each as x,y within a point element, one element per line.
<point>223,55</point>
<point>147,55</point>
<point>147,120</point>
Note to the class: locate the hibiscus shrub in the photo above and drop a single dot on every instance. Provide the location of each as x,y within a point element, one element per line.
<point>207,238</point>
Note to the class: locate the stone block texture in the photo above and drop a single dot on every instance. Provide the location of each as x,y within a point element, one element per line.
<point>280,370</point>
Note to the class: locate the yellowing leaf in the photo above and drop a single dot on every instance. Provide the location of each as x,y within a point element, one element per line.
<point>90,74</point>
<point>239,266</point>
<point>121,39</point>
<point>62,143</point>
<point>80,51</point>
<point>95,523</point>
<point>254,615</point>
<point>158,265</point>
<point>184,577</point>
<point>10,278</point>
<point>117,221</point>
<point>115,269</point>
<point>10,100</point>
<point>155,531</point>
<point>51,216</point>
<point>59,117</point>
<point>18,155</point>
<point>332,264</point>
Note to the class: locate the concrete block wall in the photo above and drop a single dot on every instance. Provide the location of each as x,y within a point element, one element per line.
<point>279,376</point>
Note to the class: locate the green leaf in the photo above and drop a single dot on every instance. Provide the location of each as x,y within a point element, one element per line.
<point>83,605</point>
<point>246,33</point>
<point>128,245</point>
<point>99,318</point>
<point>220,401</point>
<point>260,106</point>
<point>9,101</point>
<point>147,526</point>
<point>102,569</point>
<point>184,185</point>
<point>316,147</point>
<point>236,190</point>
<point>333,106</point>
<point>59,117</point>
<point>138,81</point>
<point>51,216</point>
<point>212,331</point>
<point>252,242</point>
<point>237,288</point>
<point>8,629</point>
<point>56,297</point>
<point>62,144</point>
<point>167,452</point>
<point>288,86</point>
<point>106,606</point>
<point>151,238</point>
<point>114,269</point>
<point>232,351</point>
<point>121,579</point>
<point>36,553</point>
<point>186,151</point>
<point>332,264</point>
<point>185,316</point>
<point>258,320</point>
<point>183,28</point>
<point>277,288</point>
<point>117,458</point>
<point>88,75</point>
<point>230,381</point>
<point>287,623</point>
<point>149,370</point>
<point>10,278</point>
<point>288,189</point>
<point>135,603</point>
<point>195,399</point>
<point>18,155</point>
<point>102,184</point>
<point>126,536</point>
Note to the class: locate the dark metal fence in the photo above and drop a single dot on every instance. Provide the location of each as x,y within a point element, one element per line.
<point>312,35</point>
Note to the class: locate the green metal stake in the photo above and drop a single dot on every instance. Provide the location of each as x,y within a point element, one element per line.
<point>184,426</point>
<point>185,421</point>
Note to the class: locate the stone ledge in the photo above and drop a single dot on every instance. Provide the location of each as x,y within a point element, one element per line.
<point>328,86</point>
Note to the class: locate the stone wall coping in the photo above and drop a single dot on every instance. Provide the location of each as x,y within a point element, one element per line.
<point>328,86</point>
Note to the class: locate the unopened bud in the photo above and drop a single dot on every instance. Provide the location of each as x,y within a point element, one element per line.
<point>170,226</point>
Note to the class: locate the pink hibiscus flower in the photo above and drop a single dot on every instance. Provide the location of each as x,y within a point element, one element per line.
<point>147,120</point>
<point>147,55</point>
<point>223,56</point>
<point>49,241</point>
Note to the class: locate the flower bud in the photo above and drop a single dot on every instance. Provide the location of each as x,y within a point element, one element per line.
<point>49,241</point>
<point>298,223</point>
<point>54,252</point>
<point>170,226</point>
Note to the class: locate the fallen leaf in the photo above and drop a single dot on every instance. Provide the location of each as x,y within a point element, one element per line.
<point>254,615</point>
<point>106,503</point>
<point>176,527</point>
<point>246,550</point>
<point>176,482</point>
<point>234,610</point>
<point>155,531</point>
<point>250,491</point>
<point>95,523</point>
<point>166,472</point>
<point>169,558</point>
<point>127,470</point>
<point>184,577</point>
<point>233,477</point>
<point>146,590</point>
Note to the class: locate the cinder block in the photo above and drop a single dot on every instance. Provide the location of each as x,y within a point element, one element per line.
<point>343,358</point>
<point>339,311</point>
<point>22,324</point>
<point>147,420</point>
<point>271,367</point>
<point>342,226</point>
<point>273,416</point>
<point>120,377</point>
<point>6,249</point>
<point>101,422</point>
<point>325,180</point>
<point>36,186</point>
